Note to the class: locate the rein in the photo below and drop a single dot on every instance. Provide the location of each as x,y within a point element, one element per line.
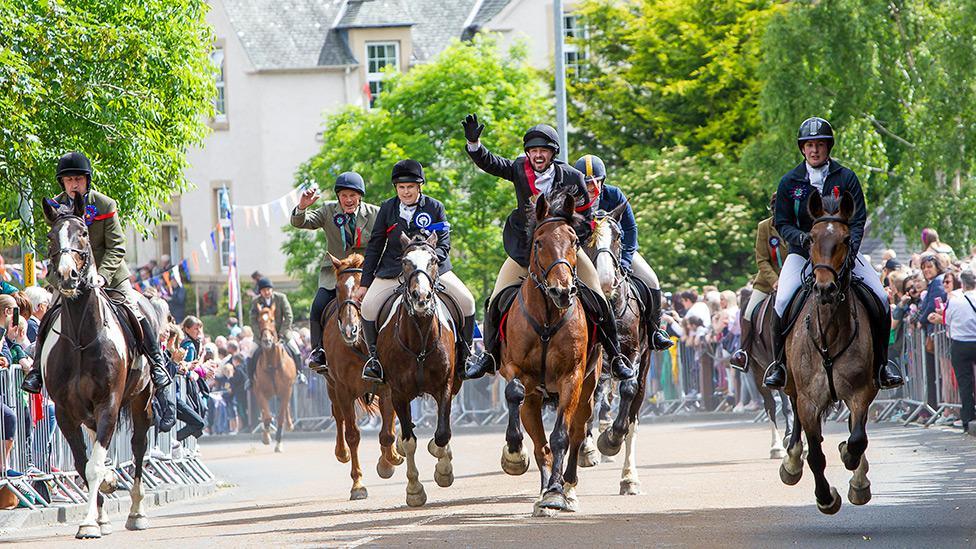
<point>83,287</point>
<point>425,350</point>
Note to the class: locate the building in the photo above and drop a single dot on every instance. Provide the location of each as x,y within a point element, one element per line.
<point>283,64</point>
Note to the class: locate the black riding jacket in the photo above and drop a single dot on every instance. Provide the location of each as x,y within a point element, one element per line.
<point>791,217</point>
<point>384,251</point>
<point>519,171</point>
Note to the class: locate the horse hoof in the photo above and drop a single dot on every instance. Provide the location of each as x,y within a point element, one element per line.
<point>105,528</point>
<point>589,455</point>
<point>279,448</point>
<point>606,445</point>
<point>358,493</point>
<point>834,505</point>
<point>418,499</point>
<point>630,488</point>
<point>136,523</point>
<point>444,480</point>
<point>777,453</point>
<point>572,504</point>
<point>515,464</point>
<point>554,500</point>
<point>384,469</point>
<point>539,511</point>
<point>266,439</point>
<point>89,531</point>
<point>788,478</point>
<point>859,496</point>
<point>110,484</point>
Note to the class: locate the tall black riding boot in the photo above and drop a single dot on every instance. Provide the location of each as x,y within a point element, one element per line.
<point>740,358</point>
<point>316,360</point>
<point>166,397</point>
<point>372,370</point>
<point>776,372</point>
<point>659,338</point>
<point>487,362</point>
<point>32,381</point>
<point>467,336</point>
<point>886,372</point>
<point>150,348</point>
<point>606,328</point>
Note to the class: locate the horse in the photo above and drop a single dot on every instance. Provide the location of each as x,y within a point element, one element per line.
<point>548,354</point>
<point>345,350</point>
<point>830,358</point>
<point>416,346</point>
<point>92,374</point>
<point>759,358</point>
<point>604,249</point>
<point>274,375</point>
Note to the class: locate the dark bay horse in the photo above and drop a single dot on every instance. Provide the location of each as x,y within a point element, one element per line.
<point>345,351</point>
<point>94,379</point>
<point>416,347</point>
<point>547,355</point>
<point>274,375</point>
<point>830,358</point>
<point>759,358</point>
<point>604,248</point>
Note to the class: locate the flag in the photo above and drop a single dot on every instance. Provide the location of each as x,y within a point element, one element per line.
<point>203,249</point>
<point>266,211</point>
<point>233,282</point>
<point>196,261</point>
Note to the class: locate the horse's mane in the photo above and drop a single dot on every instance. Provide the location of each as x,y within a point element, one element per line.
<point>600,221</point>
<point>353,261</point>
<point>556,201</point>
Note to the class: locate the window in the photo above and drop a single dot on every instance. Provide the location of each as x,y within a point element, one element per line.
<point>574,54</point>
<point>220,104</point>
<point>224,226</point>
<point>380,55</point>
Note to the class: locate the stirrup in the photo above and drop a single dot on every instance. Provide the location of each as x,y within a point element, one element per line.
<point>33,383</point>
<point>373,371</point>
<point>477,367</point>
<point>740,360</point>
<point>660,341</point>
<point>621,368</point>
<point>893,382</point>
<point>771,380</point>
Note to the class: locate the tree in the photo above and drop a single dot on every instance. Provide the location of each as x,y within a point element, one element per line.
<point>418,116</point>
<point>127,83</point>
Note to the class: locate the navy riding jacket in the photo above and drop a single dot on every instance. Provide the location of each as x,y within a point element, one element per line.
<point>610,198</point>
<point>384,250</point>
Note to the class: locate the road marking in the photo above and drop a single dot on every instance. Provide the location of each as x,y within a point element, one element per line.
<point>422,522</point>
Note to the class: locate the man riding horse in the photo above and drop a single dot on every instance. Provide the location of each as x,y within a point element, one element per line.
<point>283,318</point>
<point>607,198</point>
<point>107,241</point>
<point>533,174</point>
<point>409,213</point>
<point>818,172</point>
<point>770,254</point>
<point>347,223</point>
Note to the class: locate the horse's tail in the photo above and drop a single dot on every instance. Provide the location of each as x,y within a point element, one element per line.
<point>369,404</point>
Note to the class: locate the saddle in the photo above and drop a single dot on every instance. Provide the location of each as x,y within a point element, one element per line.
<point>444,299</point>
<point>859,288</point>
<point>131,327</point>
<point>643,294</point>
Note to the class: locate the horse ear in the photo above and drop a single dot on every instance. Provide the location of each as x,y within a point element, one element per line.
<point>618,212</point>
<point>569,203</point>
<point>815,205</point>
<point>541,207</point>
<point>404,241</point>
<point>847,205</point>
<point>432,240</point>
<point>50,212</point>
<point>335,262</point>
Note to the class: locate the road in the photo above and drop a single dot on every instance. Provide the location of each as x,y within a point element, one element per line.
<point>704,485</point>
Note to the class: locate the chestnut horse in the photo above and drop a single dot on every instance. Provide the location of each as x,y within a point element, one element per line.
<point>759,359</point>
<point>830,358</point>
<point>94,379</point>
<point>274,375</point>
<point>345,351</point>
<point>416,346</point>
<point>604,248</point>
<point>546,353</point>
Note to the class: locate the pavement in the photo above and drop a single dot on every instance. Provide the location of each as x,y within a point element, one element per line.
<point>705,484</point>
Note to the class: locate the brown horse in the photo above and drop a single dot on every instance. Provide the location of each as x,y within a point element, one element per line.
<point>830,358</point>
<point>345,351</point>
<point>274,375</point>
<point>546,355</point>
<point>760,355</point>
<point>604,248</point>
<point>92,375</point>
<point>416,347</point>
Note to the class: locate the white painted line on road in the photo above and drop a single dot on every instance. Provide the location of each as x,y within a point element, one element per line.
<point>361,541</point>
<point>422,522</point>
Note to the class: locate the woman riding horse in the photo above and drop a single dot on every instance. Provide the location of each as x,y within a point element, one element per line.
<point>607,198</point>
<point>536,173</point>
<point>408,213</point>
<point>818,172</point>
<point>107,240</point>
<point>347,223</point>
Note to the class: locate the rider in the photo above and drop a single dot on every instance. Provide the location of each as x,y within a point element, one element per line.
<point>410,212</point>
<point>107,242</point>
<point>608,198</point>
<point>821,173</point>
<point>347,223</point>
<point>283,317</point>
<point>770,254</point>
<point>539,172</point>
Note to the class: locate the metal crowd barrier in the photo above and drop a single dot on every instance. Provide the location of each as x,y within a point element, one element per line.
<point>40,471</point>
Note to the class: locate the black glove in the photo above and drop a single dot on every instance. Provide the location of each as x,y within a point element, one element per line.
<point>805,241</point>
<point>472,130</point>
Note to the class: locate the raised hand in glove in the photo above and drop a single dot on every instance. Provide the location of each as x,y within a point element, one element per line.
<point>472,130</point>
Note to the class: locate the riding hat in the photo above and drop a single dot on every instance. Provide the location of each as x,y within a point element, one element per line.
<point>592,167</point>
<point>350,180</point>
<point>264,283</point>
<point>541,135</point>
<point>73,163</point>
<point>815,128</point>
<point>408,171</point>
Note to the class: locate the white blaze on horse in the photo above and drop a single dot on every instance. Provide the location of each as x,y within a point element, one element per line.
<point>94,379</point>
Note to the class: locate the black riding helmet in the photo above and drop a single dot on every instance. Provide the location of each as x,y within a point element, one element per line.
<point>408,171</point>
<point>73,163</point>
<point>815,128</point>
<point>592,167</point>
<point>541,135</point>
<point>350,180</point>
<point>264,283</point>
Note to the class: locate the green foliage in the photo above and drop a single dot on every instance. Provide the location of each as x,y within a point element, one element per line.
<point>418,116</point>
<point>695,224</point>
<point>127,83</point>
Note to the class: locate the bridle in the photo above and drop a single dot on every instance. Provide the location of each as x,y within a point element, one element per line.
<point>416,273</point>
<point>620,276</point>
<point>543,283</point>
<point>86,257</point>
<point>843,277</point>
<point>347,302</point>
<point>425,348</point>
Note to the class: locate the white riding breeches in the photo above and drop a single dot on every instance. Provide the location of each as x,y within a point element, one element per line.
<point>644,272</point>
<point>792,275</point>
<point>382,288</point>
<point>755,299</point>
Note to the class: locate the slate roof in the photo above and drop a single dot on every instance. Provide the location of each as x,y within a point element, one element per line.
<point>302,34</point>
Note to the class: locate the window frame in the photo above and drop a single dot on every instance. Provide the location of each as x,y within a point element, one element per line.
<point>377,77</point>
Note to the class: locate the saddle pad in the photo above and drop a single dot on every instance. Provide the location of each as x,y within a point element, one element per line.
<point>442,313</point>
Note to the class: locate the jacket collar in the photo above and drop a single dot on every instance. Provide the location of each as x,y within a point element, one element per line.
<point>799,173</point>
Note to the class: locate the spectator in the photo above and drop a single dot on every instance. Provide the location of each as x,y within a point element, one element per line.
<point>889,267</point>
<point>950,281</point>
<point>695,308</point>
<point>960,316</point>
<point>40,300</point>
<point>932,270</point>
<point>246,341</point>
<point>233,327</point>
<point>930,239</point>
<point>189,408</point>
